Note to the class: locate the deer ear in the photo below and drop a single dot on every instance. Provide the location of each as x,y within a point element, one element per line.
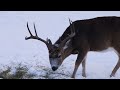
<point>49,41</point>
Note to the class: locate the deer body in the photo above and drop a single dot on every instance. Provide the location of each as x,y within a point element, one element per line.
<point>96,34</point>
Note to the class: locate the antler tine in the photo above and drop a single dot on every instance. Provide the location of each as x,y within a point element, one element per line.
<point>69,36</point>
<point>71,26</point>
<point>35,30</point>
<point>70,21</point>
<point>26,38</point>
<point>29,29</point>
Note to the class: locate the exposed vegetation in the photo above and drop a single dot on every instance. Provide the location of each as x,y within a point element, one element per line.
<point>21,71</point>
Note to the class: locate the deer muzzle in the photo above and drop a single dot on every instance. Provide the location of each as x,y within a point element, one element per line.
<point>54,64</point>
<point>54,68</point>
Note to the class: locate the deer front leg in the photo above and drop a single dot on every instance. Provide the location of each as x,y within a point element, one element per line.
<point>80,58</point>
<point>84,68</point>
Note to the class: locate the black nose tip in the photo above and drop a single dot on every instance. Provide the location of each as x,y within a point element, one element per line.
<point>54,68</point>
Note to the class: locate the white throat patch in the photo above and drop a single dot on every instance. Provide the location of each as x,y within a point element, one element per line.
<point>66,45</point>
<point>57,45</point>
<point>54,62</point>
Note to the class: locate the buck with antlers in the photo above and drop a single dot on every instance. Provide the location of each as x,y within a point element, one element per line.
<point>96,34</point>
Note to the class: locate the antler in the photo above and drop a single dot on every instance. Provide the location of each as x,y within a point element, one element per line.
<point>48,42</point>
<point>72,28</point>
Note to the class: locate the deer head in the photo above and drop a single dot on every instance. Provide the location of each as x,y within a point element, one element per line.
<point>57,53</point>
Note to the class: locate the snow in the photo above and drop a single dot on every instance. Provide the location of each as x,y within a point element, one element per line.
<point>15,49</point>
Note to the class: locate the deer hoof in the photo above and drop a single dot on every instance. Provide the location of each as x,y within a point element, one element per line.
<point>73,77</point>
<point>112,75</point>
<point>84,75</point>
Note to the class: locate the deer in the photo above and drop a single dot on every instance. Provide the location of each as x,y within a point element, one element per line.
<point>81,36</point>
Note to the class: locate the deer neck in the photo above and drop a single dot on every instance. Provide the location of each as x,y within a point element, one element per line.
<point>67,49</point>
<point>67,52</point>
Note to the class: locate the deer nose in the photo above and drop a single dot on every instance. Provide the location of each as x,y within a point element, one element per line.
<point>54,68</point>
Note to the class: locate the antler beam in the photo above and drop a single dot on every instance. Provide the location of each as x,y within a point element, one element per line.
<point>36,37</point>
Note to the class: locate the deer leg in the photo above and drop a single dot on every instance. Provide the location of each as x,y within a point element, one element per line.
<point>117,48</point>
<point>80,59</point>
<point>115,68</point>
<point>84,68</point>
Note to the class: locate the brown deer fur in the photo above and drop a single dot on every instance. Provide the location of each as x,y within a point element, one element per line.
<point>96,34</point>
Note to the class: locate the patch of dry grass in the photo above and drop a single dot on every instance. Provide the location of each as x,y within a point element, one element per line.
<point>20,72</point>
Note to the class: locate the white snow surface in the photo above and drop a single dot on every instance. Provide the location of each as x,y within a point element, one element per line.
<point>15,49</point>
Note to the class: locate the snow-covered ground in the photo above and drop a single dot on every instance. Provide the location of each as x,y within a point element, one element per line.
<point>15,49</point>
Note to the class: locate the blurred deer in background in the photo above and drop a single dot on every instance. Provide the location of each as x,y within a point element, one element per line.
<point>82,36</point>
